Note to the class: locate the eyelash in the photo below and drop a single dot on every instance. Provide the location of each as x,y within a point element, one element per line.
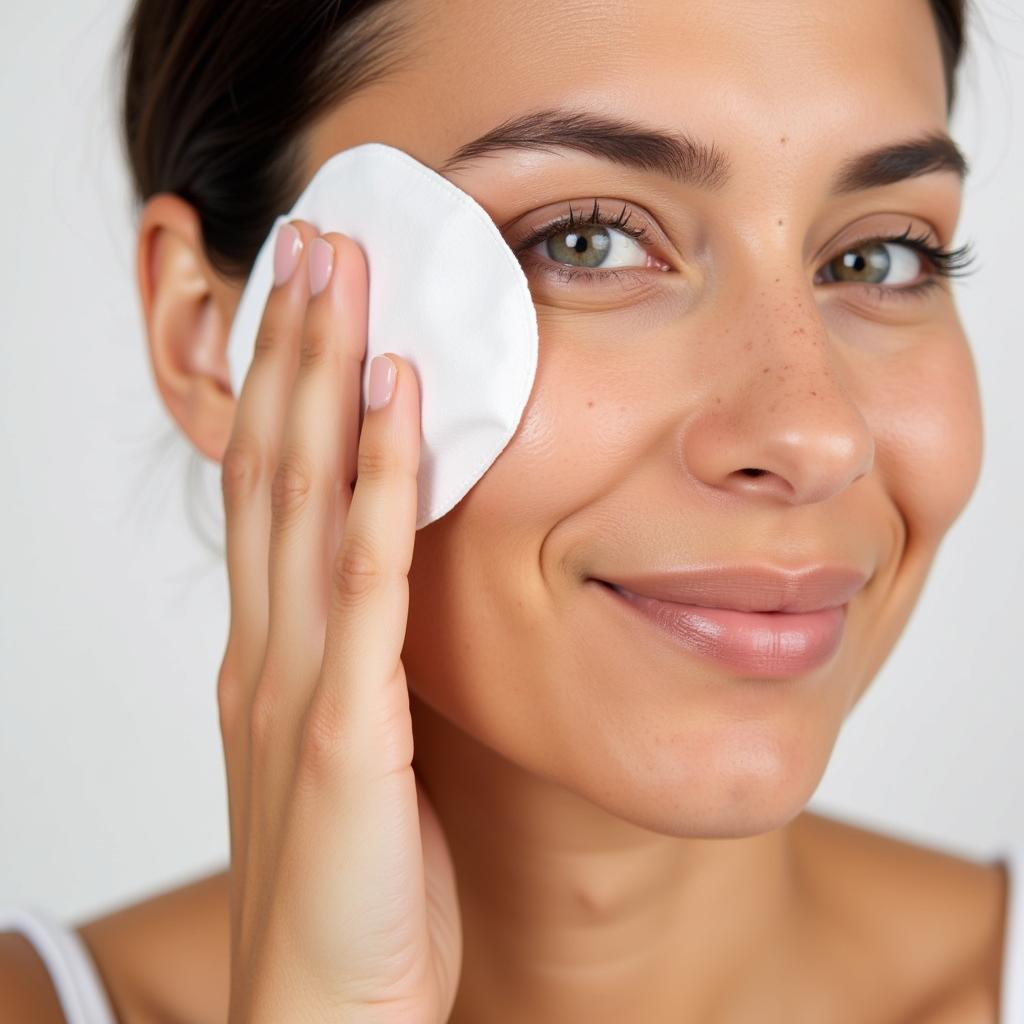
<point>945,263</point>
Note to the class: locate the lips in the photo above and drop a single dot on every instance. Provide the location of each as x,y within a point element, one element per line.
<point>748,588</point>
<point>758,621</point>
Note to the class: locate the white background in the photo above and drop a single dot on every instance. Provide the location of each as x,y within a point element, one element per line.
<point>113,615</point>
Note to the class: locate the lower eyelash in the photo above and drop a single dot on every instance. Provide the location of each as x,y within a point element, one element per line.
<point>908,291</point>
<point>565,273</point>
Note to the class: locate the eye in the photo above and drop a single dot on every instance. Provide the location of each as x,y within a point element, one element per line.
<point>592,246</point>
<point>876,262</point>
<point>595,247</point>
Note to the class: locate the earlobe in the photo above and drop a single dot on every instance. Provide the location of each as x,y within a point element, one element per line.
<point>187,308</point>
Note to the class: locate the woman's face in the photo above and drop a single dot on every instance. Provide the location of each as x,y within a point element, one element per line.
<point>735,337</point>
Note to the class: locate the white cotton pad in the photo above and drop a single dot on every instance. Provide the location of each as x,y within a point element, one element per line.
<point>445,292</point>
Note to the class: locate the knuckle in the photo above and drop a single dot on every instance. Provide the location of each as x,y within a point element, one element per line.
<point>290,488</point>
<point>357,570</point>
<point>242,468</point>
<point>375,461</point>
<point>262,714</point>
<point>315,346</point>
<point>229,697</point>
<point>269,338</point>
<point>322,742</point>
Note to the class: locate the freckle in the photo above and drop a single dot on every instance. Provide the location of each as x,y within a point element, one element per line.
<point>749,345</point>
<point>590,404</point>
<point>784,139</point>
<point>780,225</point>
<point>777,280</point>
<point>815,393</point>
<point>765,370</point>
<point>718,401</point>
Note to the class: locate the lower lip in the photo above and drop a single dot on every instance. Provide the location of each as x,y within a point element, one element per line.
<point>769,645</point>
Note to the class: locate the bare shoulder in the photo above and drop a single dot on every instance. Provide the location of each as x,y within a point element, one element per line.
<point>166,958</point>
<point>932,921</point>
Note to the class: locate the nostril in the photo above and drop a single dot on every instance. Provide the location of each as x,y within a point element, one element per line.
<point>754,472</point>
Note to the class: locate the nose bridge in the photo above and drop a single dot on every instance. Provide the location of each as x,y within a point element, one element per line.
<point>782,420</point>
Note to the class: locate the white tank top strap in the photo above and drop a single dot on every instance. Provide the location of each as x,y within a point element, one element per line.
<point>75,977</point>
<point>1012,998</point>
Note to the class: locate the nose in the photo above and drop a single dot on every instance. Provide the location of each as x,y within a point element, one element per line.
<point>779,421</point>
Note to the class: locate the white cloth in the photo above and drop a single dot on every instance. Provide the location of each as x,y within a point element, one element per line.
<point>445,292</point>
<point>82,996</point>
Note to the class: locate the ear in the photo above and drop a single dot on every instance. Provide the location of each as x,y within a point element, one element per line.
<point>188,308</point>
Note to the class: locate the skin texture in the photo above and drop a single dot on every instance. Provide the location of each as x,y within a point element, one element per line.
<point>625,819</point>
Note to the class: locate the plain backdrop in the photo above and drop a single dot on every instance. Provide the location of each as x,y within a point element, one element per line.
<point>113,614</point>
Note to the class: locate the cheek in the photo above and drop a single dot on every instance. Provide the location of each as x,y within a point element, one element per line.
<point>580,434</point>
<point>491,572</point>
<point>928,430</point>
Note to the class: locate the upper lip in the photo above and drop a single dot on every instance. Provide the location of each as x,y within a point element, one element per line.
<point>749,588</point>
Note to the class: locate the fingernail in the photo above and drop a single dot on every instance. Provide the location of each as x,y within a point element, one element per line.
<point>321,263</point>
<point>382,381</point>
<point>286,253</point>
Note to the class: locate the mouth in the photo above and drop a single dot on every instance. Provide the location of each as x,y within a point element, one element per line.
<point>769,645</point>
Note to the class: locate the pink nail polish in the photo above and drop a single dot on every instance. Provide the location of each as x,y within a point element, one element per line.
<point>382,381</point>
<point>321,263</point>
<point>286,253</point>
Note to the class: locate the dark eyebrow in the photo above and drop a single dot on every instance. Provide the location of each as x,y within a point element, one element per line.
<point>672,154</point>
<point>687,160</point>
<point>935,151</point>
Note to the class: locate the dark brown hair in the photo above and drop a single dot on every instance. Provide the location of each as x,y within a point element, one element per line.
<point>219,95</point>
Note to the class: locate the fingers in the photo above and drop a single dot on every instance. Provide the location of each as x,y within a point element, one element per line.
<point>252,453</point>
<point>309,496</point>
<point>247,469</point>
<point>359,713</point>
<point>318,456</point>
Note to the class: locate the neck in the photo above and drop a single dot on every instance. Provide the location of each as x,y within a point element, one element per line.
<point>572,913</point>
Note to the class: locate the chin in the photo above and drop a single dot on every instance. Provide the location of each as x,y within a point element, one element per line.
<point>712,787</point>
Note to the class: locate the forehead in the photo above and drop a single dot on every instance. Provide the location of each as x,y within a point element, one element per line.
<point>742,73</point>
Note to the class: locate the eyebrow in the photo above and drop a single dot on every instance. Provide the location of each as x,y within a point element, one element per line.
<point>672,154</point>
<point>934,151</point>
<point>684,159</point>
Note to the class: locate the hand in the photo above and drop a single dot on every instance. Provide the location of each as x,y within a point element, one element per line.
<point>343,898</point>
